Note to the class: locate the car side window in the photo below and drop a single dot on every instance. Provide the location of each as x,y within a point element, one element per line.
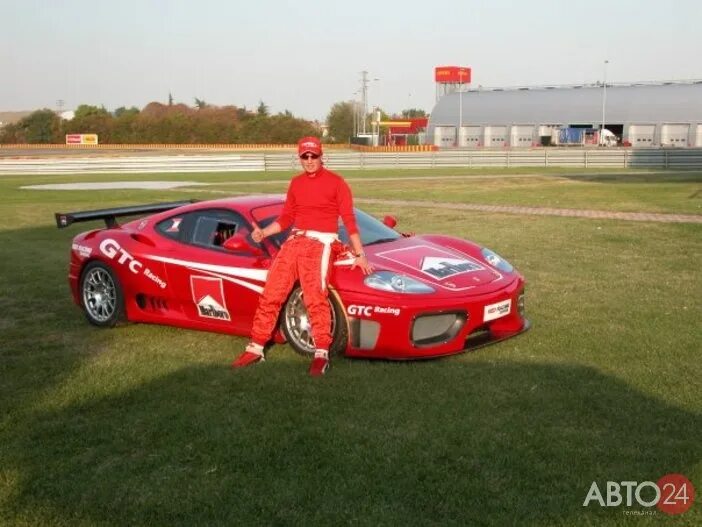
<point>171,228</point>
<point>208,228</point>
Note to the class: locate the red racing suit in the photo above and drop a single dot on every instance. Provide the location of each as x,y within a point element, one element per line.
<point>313,205</point>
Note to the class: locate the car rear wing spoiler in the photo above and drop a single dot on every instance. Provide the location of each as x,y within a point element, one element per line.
<point>64,219</point>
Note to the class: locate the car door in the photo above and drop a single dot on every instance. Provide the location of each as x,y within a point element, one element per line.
<point>217,288</point>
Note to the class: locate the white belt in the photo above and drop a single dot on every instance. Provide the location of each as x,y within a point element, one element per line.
<point>326,239</point>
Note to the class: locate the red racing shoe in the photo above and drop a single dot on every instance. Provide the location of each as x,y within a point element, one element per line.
<point>319,366</point>
<point>252,355</point>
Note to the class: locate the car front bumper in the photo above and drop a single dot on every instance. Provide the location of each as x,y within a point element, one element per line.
<point>421,328</point>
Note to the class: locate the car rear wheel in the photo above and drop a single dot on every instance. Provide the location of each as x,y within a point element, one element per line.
<point>298,330</point>
<point>101,295</point>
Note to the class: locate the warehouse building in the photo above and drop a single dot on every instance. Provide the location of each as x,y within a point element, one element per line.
<point>666,114</point>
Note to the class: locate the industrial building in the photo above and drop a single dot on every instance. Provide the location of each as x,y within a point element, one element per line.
<point>665,114</point>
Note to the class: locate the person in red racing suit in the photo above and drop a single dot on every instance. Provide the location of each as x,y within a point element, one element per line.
<point>315,200</point>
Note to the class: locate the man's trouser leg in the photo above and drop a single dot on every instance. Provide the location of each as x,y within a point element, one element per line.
<point>315,297</point>
<point>281,277</point>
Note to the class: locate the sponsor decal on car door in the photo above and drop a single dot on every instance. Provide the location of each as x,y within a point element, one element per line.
<point>208,296</point>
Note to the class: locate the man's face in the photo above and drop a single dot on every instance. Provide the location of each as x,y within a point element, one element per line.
<point>310,162</point>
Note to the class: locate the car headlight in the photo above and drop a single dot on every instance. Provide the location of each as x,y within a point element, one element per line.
<point>396,283</point>
<point>496,260</point>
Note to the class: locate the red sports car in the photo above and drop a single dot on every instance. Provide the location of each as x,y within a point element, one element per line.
<point>194,265</point>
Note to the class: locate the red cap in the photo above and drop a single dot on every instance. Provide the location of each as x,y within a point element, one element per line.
<point>309,144</point>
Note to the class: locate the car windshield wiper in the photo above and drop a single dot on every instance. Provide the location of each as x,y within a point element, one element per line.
<point>381,240</point>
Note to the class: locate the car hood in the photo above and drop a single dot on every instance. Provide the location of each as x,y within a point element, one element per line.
<point>445,268</point>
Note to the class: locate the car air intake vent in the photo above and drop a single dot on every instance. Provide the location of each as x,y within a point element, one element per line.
<point>428,330</point>
<point>364,333</point>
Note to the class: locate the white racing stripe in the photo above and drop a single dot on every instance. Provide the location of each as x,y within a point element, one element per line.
<point>231,274</point>
<point>247,285</point>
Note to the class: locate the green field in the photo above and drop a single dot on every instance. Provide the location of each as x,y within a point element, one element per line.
<point>147,425</point>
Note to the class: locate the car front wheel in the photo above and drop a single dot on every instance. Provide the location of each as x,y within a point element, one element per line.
<point>101,295</point>
<point>298,329</point>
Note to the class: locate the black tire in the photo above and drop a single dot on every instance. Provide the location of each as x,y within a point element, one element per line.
<point>101,295</point>
<point>296,326</point>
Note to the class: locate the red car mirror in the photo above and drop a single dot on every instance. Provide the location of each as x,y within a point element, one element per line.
<point>241,244</point>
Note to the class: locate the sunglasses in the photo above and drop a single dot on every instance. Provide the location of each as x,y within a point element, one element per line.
<point>309,156</point>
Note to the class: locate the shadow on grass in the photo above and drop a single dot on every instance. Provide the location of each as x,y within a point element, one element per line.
<point>455,441</point>
<point>44,334</point>
<point>660,176</point>
<point>446,442</point>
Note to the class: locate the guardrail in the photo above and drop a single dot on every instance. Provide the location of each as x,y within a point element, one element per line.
<point>580,158</point>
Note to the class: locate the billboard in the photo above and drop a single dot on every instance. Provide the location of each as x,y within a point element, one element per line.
<point>452,74</point>
<point>81,139</point>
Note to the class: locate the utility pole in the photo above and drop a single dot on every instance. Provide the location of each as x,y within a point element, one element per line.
<point>460,106</point>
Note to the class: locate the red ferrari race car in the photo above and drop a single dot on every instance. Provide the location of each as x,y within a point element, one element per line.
<point>193,265</point>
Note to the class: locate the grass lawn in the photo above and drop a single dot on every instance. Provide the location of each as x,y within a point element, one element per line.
<point>147,425</point>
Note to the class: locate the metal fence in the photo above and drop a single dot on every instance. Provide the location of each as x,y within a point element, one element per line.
<point>547,157</point>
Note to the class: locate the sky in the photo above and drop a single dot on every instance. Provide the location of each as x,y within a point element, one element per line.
<point>306,55</point>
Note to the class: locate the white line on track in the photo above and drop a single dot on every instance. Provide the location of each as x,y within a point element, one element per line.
<point>509,209</point>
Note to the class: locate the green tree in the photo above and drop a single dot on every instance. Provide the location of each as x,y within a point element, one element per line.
<point>123,126</point>
<point>119,112</point>
<point>340,121</point>
<point>200,104</point>
<point>411,113</point>
<point>86,110</point>
<point>170,99</point>
<point>90,119</point>
<point>42,126</point>
<point>262,109</point>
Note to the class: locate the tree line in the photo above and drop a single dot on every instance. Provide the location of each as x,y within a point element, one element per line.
<point>181,124</point>
<point>162,123</point>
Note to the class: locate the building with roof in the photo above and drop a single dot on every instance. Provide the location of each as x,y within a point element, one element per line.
<point>665,114</point>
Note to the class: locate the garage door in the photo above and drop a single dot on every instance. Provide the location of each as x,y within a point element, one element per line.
<point>470,136</point>
<point>445,136</point>
<point>674,134</point>
<point>521,136</point>
<point>641,135</point>
<point>495,135</point>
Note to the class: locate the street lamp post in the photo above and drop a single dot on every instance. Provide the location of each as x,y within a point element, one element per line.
<point>353,117</point>
<point>604,102</point>
<point>355,113</point>
<point>364,100</point>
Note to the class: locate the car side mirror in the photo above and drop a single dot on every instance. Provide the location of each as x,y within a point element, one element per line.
<point>240,244</point>
<point>390,221</point>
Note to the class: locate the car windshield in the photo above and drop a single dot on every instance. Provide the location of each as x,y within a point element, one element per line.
<point>372,230</point>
